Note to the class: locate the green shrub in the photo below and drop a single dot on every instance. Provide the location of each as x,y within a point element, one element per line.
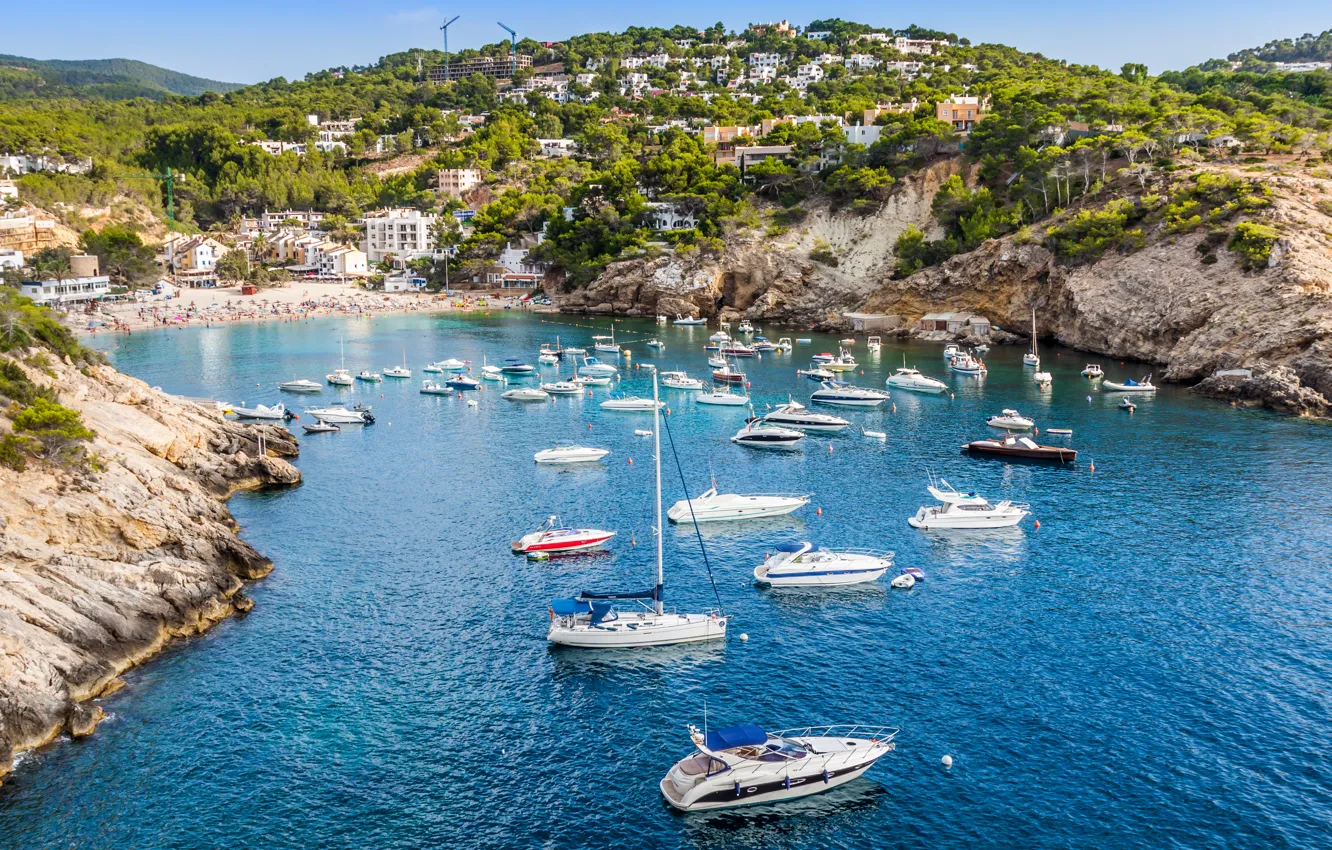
<point>914,252</point>
<point>1090,233</point>
<point>15,386</point>
<point>12,452</point>
<point>56,428</point>
<point>1253,242</point>
<point>823,253</point>
<point>789,216</point>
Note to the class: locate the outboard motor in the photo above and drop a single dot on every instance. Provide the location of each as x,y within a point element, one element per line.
<point>369,418</point>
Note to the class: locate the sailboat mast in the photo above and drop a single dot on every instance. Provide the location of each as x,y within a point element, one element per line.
<point>656,450</point>
<point>1033,330</point>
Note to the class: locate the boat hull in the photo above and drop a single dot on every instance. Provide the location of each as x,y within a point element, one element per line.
<point>926,522</point>
<point>1112,387</point>
<point>1051,454</point>
<point>634,631</point>
<point>917,388</point>
<point>704,512</point>
<point>844,401</point>
<point>722,400</point>
<point>722,794</point>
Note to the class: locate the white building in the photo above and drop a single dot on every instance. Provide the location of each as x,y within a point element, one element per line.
<point>11,259</point>
<point>861,62</point>
<point>401,233</point>
<point>657,60</point>
<point>863,134</point>
<point>585,79</point>
<point>22,163</point>
<point>808,73</point>
<point>456,182</point>
<point>8,189</point>
<point>558,147</point>
<point>818,35</point>
<point>70,291</point>
<point>765,60</point>
<point>309,219</point>
<point>663,216</point>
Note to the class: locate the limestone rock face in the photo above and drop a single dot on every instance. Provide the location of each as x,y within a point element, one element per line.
<point>99,570</point>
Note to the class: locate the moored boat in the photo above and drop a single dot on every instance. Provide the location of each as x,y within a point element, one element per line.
<point>570,454</point>
<point>1014,446</point>
<point>960,511</point>
<point>552,538</point>
<point>717,507</point>
<point>301,385</point>
<point>1129,386</point>
<point>807,565</point>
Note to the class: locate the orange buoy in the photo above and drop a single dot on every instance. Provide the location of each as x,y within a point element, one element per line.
<point>894,408</point>
<point>1093,466</point>
<point>830,448</point>
<point>818,511</point>
<point>589,425</point>
<point>631,461</point>
<point>1038,523</point>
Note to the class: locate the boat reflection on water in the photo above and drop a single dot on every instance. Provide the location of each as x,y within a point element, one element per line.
<point>995,547</point>
<point>756,531</point>
<point>669,661</point>
<point>771,825</point>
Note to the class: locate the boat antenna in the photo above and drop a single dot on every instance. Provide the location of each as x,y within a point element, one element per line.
<point>697,532</point>
<point>656,446</point>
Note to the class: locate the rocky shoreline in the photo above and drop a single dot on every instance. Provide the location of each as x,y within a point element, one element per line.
<point>101,569</point>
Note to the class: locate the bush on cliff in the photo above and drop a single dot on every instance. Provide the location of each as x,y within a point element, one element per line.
<point>57,431</point>
<point>1090,233</point>
<point>1253,242</point>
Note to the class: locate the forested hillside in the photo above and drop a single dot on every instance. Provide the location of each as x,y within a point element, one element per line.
<point>109,79</point>
<point>1306,48</point>
<point>1055,134</point>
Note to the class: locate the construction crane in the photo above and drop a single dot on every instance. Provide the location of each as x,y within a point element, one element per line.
<point>446,45</point>
<point>169,178</point>
<point>513,48</point>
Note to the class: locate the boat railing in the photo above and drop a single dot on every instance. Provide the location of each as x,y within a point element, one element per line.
<point>843,730</point>
<point>872,553</point>
<point>767,496</point>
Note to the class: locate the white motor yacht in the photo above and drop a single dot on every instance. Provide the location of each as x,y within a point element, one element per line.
<point>593,366</point>
<point>908,378</point>
<point>516,367</point>
<point>746,327</point>
<point>548,359</point>
<point>570,454</point>
<point>525,394</point>
<point>1010,419</point>
<point>717,507</point>
<point>965,510</point>
<point>743,765</point>
<point>1093,370</point>
<point>807,565</point>
<point>722,397</point>
<point>595,380</point>
<point>655,343</point>
<point>847,395</point>
<point>681,321</point>
<point>758,435</point>
<point>340,415</point>
<point>432,368</point>
<point>631,403</point>
<point>276,413</point>
<point>817,374</point>
<point>301,385</point>
<point>591,620</point>
<point>680,381</point>
<point>429,387</point>
<point>1130,386</point>
<point>736,349</point>
<point>564,387</point>
<point>720,337</point>
<point>793,414</point>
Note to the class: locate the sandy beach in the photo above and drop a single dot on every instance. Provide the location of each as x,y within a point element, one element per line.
<point>302,300</point>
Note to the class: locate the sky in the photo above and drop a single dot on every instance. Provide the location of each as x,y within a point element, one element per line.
<point>246,41</point>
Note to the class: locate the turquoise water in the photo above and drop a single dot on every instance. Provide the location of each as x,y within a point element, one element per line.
<point>1149,668</point>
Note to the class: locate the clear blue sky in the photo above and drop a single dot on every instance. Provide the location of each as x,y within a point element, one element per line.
<point>247,41</point>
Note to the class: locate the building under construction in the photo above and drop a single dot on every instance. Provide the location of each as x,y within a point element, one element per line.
<point>495,67</point>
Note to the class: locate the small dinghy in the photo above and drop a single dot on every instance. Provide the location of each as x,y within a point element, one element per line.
<point>318,427</point>
<point>641,432</point>
<point>433,388</point>
<point>1130,386</point>
<point>873,435</point>
<point>905,581</point>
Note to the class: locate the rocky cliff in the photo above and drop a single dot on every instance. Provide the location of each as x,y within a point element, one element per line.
<point>99,569</point>
<point>1161,303</point>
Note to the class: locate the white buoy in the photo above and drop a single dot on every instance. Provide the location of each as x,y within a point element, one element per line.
<point>947,761</point>
<point>744,636</point>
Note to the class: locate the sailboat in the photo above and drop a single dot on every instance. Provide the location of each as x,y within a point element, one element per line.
<point>399,371</point>
<point>590,620</point>
<point>341,377</point>
<point>1042,378</point>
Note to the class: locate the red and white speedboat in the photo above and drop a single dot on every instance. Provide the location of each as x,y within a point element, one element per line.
<point>550,537</point>
<point>736,349</point>
<point>727,375</point>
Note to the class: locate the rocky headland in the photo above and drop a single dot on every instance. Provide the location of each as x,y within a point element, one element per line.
<point>102,565</point>
<point>1160,303</point>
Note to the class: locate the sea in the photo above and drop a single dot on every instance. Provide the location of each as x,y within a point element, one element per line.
<point>1144,662</point>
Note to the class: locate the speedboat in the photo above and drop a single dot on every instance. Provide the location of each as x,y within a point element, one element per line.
<point>549,349</point>
<point>843,362</point>
<point>592,620</point>
<point>575,352</point>
<point>825,357</point>
<point>680,381</point>
<point>874,344</point>
<point>1042,378</point>
<point>849,341</point>
<point>728,375</point>
<point>950,351</point>
<point>758,435</point>
<point>981,349</point>
<point>720,337</point>
<point>276,413</point>
<point>605,343</point>
<point>340,415</point>
<point>631,404</point>
<point>317,427</point>
<point>552,538</point>
<point>340,378</point>
<point>807,565</point>
<point>655,343</point>
<point>367,375</point>
<point>907,378</point>
<point>746,327</point>
<point>722,398</point>
<point>965,510</point>
<point>525,394</point>
<point>562,387</point>
<point>785,344</point>
<point>765,344</point>
<point>965,364</point>
<point>452,364</point>
<point>432,368</point>
<point>1014,446</point>
<point>743,765</point>
<point>1093,370</point>
<point>661,320</point>
<point>570,454</point>
<point>514,366</point>
<point>301,385</point>
<point>1010,419</point>
<point>593,366</point>
<point>463,382</point>
<point>848,395</point>
<point>681,321</point>
<point>1130,386</point>
<point>717,507</point>
<point>434,388</point>
<point>736,349</point>
<point>818,374</point>
<point>795,415</point>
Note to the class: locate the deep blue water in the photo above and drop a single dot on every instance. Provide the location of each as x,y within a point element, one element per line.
<point>1149,668</point>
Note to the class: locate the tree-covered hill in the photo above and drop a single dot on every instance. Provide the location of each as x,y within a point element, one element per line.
<point>109,79</point>
<point>1306,48</point>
